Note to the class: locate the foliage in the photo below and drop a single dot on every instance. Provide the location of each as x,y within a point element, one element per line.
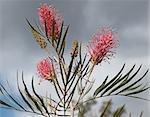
<point>72,76</point>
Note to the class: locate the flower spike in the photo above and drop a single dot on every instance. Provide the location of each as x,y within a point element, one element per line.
<point>48,16</point>
<point>101,45</point>
<point>46,69</point>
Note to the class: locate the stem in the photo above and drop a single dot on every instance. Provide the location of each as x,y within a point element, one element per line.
<point>46,49</point>
<point>64,103</point>
<point>79,98</point>
<point>72,110</point>
<point>65,93</point>
<point>56,90</point>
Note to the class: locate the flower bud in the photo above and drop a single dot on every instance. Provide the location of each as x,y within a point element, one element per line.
<point>40,40</point>
<point>74,51</point>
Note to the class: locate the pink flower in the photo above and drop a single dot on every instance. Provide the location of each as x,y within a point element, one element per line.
<point>101,45</point>
<point>48,15</point>
<point>45,69</point>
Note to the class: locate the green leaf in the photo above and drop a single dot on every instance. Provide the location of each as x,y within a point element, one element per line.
<point>10,97</point>
<point>61,72</point>
<point>88,89</point>
<point>46,33</point>
<point>122,85</point>
<point>38,27</point>
<point>5,104</point>
<point>69,69</point>
<point>23,97</point>
<point>73,76</point>
<point>108,87</point>
<point>53,33</point>
<point>63,49</point>
<point>131,88</point>
<point>116,81</point>
<point>133,84</point>
<point>56,89</point>
<point>41,100</point>
<point>105,87</point>
<point>32,27</point>
<point>63,40</point>
<point>30,96</point>
<point>60,35</point>
<point>100,88</point>
<point>125,82</point>
<point>137,91</point>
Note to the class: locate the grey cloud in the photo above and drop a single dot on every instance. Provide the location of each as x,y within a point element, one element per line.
<point>130,17</point>
<point>85,18</point>
<point>134,41</point>
<point>122,15</point>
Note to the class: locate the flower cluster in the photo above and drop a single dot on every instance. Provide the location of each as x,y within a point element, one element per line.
<point>49,15</point>
<point>101,45</point>
<point>46,69</point>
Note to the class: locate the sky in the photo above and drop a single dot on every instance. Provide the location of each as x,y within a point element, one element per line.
<point>129,18</point>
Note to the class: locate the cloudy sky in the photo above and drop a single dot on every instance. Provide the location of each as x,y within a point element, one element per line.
<point>129,18</point>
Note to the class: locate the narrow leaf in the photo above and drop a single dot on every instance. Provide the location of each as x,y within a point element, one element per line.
<point>100,88</point>
<point>63,40</point>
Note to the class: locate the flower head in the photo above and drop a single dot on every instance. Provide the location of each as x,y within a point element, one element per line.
<point>101,45</point>
<point>49,15</point>
<point>46,69</point>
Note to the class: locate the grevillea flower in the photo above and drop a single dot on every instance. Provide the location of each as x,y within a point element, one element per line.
<point>46,69</point>
<point>101,45</point>
<point>49,15</point>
